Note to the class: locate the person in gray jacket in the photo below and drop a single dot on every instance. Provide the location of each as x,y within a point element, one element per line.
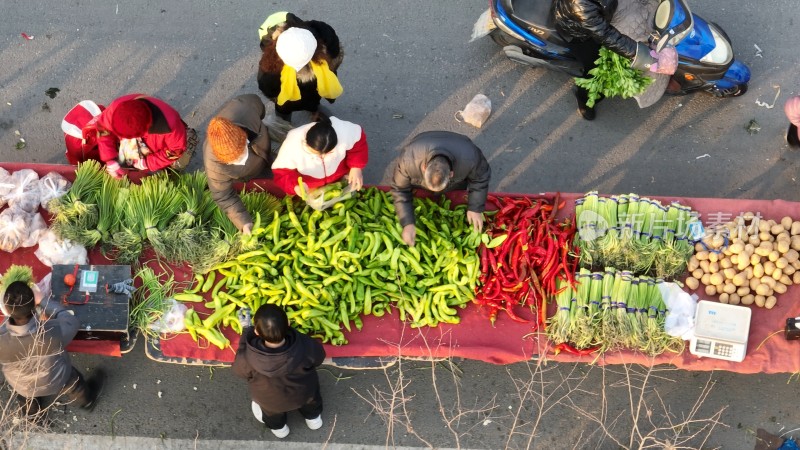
<point>33,358</point>
<point>439,161</point>
<point>237,148</point>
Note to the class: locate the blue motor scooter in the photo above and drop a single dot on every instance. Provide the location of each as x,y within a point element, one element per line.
<point>526,30</point>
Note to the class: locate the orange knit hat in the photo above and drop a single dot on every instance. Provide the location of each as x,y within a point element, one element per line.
<point>227,139</point>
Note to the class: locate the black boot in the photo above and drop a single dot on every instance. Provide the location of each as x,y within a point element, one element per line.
<point>791,137</point>
<point>582,96</point>
<point>94,388</point>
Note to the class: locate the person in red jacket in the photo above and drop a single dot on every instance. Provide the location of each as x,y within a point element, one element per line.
<point>145,133</point>
<point>321,153</point>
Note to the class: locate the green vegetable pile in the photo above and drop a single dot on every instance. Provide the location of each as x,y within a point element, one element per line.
<point>329,268</point>
<point>612,310</point>
<point>612,76</point>
<point>171,213</point>
<point>634,233</point>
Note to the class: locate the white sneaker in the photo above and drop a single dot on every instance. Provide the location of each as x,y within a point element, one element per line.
<point>283,432</point>
<point>315,424</point>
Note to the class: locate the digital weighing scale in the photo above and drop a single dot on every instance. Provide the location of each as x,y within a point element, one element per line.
<point>721,331</point>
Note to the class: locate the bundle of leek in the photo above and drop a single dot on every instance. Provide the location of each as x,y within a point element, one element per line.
<point>77,211</point>
<point>580,330</point>
<point>110,202</point>
<point>559,325</point>
<point>150,301</point>
<point>188,236</point>
<point>638,234</point>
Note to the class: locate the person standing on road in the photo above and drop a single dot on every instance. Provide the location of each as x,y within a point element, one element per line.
<point>792,110</point>
<point>439,161</point>
<point>321,153</point>
<point>588,24</point>
<point>298,64</point>
<point>143,133</point>
<point>33,358</point>
<point>279,364</point>
<point>237,148</point>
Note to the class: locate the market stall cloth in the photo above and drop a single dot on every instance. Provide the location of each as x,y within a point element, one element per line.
<point>508,341</point>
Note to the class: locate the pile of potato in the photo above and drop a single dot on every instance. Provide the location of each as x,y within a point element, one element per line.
<point>760,261</point>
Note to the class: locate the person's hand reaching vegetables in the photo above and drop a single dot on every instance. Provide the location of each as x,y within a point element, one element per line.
<point>476,220</point>
<point>667,61</point>
<point>113,168</point>
<point>140,164</point>
<point>301,191</point>
<point>247,228</point>
<point>355,178</point>
<point>409,234</point>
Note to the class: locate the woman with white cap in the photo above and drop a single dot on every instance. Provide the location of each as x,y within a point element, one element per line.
<point>298,66</point>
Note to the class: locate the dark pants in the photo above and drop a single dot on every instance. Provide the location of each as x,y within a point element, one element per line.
<point>75,391</point>
<point>587,53</point>
<point>311,410</point>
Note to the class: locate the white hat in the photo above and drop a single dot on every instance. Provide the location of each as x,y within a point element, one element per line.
<point>296,47</point>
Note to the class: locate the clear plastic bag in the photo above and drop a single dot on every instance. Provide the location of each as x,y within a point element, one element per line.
<point>20,228</point>
<point>326,196</point>
<point>172,319</point>
<point>52,186</point>
<point>5,186</point>
<point>53,250</point>
<point>25,193</point>
<point>477,111</point>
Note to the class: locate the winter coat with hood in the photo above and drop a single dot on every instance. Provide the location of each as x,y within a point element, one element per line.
<point>270,66</point>
<point>281,379</point>
<point>246,111</point>
<point>591,19</point>
<point>466,160</point>
<point>32,356</point>
<point>166,137</point>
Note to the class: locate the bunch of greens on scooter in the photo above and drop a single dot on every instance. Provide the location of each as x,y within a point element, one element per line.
<point>611,58</point>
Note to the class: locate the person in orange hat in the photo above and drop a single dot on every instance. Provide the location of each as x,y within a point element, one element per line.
<point>144,133</point>
<point>237,148</point>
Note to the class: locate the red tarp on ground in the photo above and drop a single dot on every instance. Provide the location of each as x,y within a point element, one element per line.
<point>508,341</point>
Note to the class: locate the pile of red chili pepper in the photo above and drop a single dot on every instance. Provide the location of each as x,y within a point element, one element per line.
<point>523,269</point>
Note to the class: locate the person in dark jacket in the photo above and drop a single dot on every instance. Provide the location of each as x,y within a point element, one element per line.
<point>439,161</point>
<point>33,358</point>
<point>237,148</point>
<point>298,64</point>
<point>279,364</point>
<point>588,24</point>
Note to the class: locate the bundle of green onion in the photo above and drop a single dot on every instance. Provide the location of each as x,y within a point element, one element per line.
<point>77,212</point>
<point>150,300</point>
<point>638,234</point>
<point>612,310</point>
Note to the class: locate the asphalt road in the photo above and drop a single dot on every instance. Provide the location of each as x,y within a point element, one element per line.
<point>409,68</point>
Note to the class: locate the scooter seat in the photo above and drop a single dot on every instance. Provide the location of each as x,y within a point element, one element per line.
<point>535,15</point>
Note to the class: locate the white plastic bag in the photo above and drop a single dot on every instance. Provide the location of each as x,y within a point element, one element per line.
<point>5,186</point>
<point>52,186</point>
<point>53,250</point>
<point>44,287</point>
<point>316,197</point>
<point>12,230</point>
<point>477,111</point>
<point>172,320</point>
<point>25,193</point>
<point>35,227</point>
<point>681,308</point>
